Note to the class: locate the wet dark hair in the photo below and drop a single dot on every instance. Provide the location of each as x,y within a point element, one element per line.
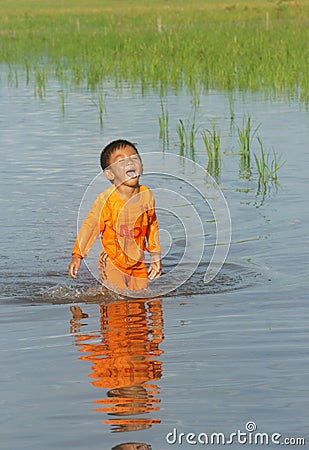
<point>120,446</point>
<point>111,147</point>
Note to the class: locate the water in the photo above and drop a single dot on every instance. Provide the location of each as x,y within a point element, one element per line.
<point>201,359</point>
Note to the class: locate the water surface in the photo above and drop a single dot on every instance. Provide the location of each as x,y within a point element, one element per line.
<point>201,359</point>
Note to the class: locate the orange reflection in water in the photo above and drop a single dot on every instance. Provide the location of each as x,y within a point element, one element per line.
<point>124,357</point>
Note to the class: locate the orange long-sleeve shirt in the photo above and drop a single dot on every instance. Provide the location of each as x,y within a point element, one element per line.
<point>124,226</point>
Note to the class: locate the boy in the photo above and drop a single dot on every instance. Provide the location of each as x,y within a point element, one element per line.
<point>124,215</point>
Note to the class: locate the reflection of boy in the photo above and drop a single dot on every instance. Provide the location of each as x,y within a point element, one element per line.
<point>125,360</point>
<point>127,353</point>
<point>124,215</point>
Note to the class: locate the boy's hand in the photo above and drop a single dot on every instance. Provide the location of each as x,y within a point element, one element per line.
<point>74,266</point>
<point>155,266</point>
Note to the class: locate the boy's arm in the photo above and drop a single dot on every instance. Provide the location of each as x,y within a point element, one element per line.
<point>87,235</point>
<point>153,242</point>
<point>154,248</point>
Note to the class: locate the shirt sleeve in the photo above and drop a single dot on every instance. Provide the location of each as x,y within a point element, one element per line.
<point>91,228</point>
<point>153,242</point>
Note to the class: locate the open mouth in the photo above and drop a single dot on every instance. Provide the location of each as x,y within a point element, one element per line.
<point>131,173</point>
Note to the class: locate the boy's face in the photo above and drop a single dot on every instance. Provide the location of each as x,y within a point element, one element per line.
<point>125,167</point>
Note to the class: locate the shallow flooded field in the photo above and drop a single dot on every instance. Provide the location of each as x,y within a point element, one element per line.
<point>81,368</point>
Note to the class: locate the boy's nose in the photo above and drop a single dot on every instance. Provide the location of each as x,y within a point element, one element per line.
<point>130,161</point>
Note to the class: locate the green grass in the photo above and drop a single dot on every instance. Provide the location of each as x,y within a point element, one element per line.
<point>245,138</point>
<point>100,105</point>
<point>248,45</point>
<point>267,166</point>
<point>163,126</point>
<point>187,132</point>
<point>212,143</point>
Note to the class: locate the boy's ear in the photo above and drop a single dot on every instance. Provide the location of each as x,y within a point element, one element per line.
<point>142,169</point>
<point>109,174</point>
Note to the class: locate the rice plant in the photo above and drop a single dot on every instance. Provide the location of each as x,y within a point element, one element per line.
<point>181,131</point>
<point>245,137</point>
<point>212,143</point>
<point>12,77</point>
<point>232,106</point>
<point>41,79</point>
<point>267,165</point>
<point>163,125</point>
<point>62,102</point>
<point>196,91</point>
<point>187,133</point>
<point>100,104</point>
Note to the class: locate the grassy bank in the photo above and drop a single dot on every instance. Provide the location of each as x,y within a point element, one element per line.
<point>255,45</point>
